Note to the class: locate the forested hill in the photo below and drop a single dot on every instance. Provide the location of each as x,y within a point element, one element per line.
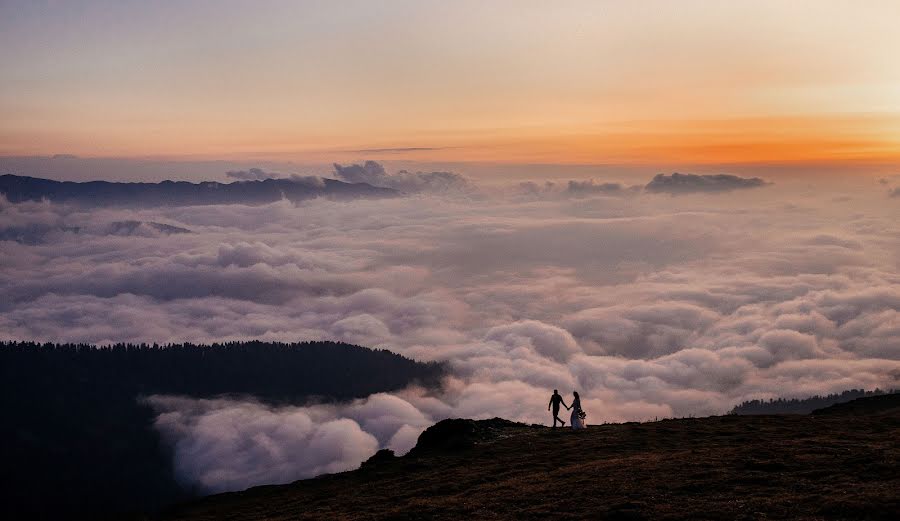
<point>803,405</point>
<point>81,445</point>
<point>273,371</point>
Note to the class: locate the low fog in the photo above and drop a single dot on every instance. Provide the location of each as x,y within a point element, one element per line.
<point>676,298</point>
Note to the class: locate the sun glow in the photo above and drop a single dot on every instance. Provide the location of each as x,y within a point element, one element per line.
<point>585,82</point>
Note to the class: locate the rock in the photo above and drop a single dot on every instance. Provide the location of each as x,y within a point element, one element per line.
<point>460,434</point>
<point>378,459</point>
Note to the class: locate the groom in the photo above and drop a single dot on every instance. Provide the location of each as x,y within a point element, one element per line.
<point>555,400</point>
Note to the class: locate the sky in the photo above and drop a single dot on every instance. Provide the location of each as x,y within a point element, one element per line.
<point>638,83</point>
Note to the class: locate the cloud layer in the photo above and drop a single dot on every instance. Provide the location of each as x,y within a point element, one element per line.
<point>648,305</point>
<point>688,183</point>
<point>252,174</point>
<point>374,174</point>
<point>223,445</point>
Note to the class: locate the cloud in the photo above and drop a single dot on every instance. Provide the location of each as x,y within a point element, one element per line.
<point>580,188</point>
<point>647,306</point>
<point>544,339</point>
<point>641,331</point>
<point>832,240</point>
<point>230,444</point>
<point>225,445</point>
<point>786,344</point>
<point>373,173</point>
<point>573,189</point>
<point>253,174</point>
<point>693,183</point>
<point>37,222</point>
<point>395,150</point>
<point>312,181</point>
<point>258,174</point>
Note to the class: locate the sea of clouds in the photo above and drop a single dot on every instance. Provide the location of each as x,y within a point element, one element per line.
<point>649,304</point>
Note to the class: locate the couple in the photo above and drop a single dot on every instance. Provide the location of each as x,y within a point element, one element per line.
<point>577,418</point>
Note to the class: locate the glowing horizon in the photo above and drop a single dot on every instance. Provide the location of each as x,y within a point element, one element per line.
<point>580,83</point>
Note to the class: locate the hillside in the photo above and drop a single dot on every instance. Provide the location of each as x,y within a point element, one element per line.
<point>885,404</point>
<point>803,405</point>
<point>831,466</point>
<point>81,443</point>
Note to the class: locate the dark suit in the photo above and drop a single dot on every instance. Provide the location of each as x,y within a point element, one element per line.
<point>555,401</point>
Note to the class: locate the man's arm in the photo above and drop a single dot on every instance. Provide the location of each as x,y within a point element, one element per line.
<point>564,404</point>
<point>549,404</point>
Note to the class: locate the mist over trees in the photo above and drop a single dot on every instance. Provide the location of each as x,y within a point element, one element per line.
<point>76,438</point>
<point>803,405</point>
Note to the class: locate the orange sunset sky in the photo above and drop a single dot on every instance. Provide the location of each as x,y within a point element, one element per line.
<point>531,82</point>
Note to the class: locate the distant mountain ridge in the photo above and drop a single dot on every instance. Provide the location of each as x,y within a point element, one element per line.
<point>182,193</point>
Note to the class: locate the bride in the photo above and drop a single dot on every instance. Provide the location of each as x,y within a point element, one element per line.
<point>577,421</point>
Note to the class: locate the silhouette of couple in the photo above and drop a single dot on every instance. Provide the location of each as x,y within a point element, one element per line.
<point>577,418</point>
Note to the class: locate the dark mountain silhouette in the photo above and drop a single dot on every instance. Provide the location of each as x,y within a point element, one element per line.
<point>77,442</point>
<point>798,467</point>
<point>803,405</point>
<point>182,193</point>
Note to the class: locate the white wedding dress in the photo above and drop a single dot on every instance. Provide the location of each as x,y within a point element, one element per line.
<point>575,421</point>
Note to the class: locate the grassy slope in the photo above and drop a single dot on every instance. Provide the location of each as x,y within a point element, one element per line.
<point>830,466</point>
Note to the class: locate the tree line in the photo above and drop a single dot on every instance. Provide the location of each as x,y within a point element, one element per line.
<point>803,405</point>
